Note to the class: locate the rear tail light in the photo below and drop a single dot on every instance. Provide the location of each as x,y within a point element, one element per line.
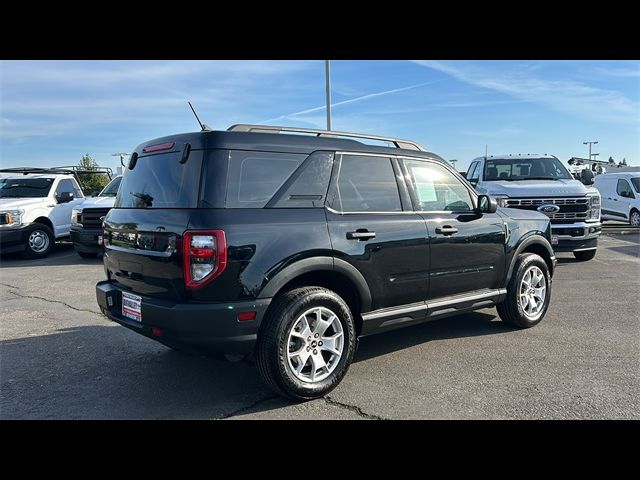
<point>204,256</point>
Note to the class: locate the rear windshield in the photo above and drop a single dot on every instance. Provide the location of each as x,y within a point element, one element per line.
<point>161,181</point>
<point>25,187</point>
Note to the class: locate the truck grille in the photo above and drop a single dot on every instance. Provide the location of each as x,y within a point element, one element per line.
<point>571,209</point>
<point>90,217</point>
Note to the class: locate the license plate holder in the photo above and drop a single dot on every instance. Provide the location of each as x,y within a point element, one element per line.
<point>132,306</point>
<point>554,239</point>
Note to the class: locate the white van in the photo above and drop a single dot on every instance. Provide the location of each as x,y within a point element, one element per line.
<point>620,193</point>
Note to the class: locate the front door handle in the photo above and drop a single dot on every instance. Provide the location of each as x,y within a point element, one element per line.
<point>446,230</point>
<point>361,234</point>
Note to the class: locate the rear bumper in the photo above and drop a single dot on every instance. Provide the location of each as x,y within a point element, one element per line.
<point>210,327</point>
<point>86,241</point>
<point>13,239</point>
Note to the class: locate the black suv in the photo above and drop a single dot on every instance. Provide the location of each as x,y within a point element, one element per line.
<point>266,243</point>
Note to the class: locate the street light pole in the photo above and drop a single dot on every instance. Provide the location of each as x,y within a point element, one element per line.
<point>327,71</point>
<point>589,143</point>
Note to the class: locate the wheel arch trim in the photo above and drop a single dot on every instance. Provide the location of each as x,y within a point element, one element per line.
<point>319,264</point>
<point>531,240</point>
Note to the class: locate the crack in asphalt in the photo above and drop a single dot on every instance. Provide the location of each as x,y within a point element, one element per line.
<point>246,408</point>
<point>18,294</point>
<point>352,408</point>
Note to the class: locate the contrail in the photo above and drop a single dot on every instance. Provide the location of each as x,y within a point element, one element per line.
<point>351,100</point>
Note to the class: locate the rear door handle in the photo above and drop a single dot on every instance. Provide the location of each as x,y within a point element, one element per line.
<point>615,199</point>
<point>361,234</point>
<point>446,230</point>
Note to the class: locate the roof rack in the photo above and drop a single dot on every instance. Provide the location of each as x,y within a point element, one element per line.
<point>407,144</point>
<point>66,170</point>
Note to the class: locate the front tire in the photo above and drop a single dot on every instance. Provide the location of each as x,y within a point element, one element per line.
<point>306,343</point>
<point>634,218</point>
<point>585,255</point>
<point>39,241</point>
<point>528,292</point>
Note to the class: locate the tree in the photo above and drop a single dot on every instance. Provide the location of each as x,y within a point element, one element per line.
<point>611,161</point>
<point>624,162</point>
<point>91,183</point>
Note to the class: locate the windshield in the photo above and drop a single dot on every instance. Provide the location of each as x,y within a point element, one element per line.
<point>25,187</point>
<point>636,183</point>
<point>111,189</point>
<point>525,169</point>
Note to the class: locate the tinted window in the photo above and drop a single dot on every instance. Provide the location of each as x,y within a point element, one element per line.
<point>437,188</point>
<point>161,181</point>
<point>624,189</point>
<point>112,188</point>
<point>25,187</point>
<point>255,176</point>
<point>307,187</point>
<point>70,186</point>
<point>366,184</point>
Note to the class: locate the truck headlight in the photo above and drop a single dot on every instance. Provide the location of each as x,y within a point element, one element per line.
<point>594,207</point>
<point>75,215</point>
<point>501,199</point>
<point>11,218</point>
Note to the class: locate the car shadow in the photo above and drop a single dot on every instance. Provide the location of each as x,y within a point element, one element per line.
<point>466,325</point>
<point>108,372</point>
<point>62,254</point>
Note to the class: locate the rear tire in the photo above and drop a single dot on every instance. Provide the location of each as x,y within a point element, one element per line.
<point>87,254</point>
<point>39,241</point>
<point>306,343</point>
<point>585,255</point>
<point>528,292</point>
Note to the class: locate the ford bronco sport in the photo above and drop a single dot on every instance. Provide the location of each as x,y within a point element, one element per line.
<point>286,248</point>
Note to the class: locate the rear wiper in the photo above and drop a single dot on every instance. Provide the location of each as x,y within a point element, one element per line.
<point>145,197</point>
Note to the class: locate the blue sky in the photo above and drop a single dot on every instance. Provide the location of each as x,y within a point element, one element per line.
<point>52,112</point>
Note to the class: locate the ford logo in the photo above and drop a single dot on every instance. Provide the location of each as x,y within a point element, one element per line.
<point>549,208</point>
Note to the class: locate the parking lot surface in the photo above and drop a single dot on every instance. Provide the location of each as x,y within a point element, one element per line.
<point>61,359</point>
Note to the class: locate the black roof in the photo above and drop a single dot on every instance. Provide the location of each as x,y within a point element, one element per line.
<point>276,142</point>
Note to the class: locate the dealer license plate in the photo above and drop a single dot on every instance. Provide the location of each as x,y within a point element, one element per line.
<point>132,306</point>
<point>554,239</point>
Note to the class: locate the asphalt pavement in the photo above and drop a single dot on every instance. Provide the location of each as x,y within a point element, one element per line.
<point>61,359</point>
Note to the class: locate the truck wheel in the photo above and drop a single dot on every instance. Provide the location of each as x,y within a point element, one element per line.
<point>585,255</point>
<point>39,241</point>
<point>306,343</point>
<point>87,254</point>
<point>528,292</point>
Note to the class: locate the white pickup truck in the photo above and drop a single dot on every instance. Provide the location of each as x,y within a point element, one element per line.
<point>35,208</point>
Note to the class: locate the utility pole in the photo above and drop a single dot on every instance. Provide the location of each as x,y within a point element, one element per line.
<point>327,72</point>
<point>590,143</point>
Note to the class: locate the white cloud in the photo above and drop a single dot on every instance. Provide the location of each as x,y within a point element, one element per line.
<point>567,96</point>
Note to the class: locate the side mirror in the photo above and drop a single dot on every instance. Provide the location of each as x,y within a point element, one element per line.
<point>64,197</point>
<point>486,204</point>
